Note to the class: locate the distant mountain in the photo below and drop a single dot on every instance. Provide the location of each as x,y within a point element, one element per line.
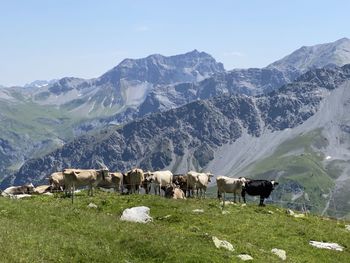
<point>323,55</point>
<point>282,131</point>
<point>251,81</point>
<point>127,84</point>
<point>43,115</point>
<point>39,83</point>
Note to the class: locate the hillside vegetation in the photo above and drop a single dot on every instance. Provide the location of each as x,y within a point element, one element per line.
<point>51,229</point>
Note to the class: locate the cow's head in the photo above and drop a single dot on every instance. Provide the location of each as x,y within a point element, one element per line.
<point>29,188</point>
<point>274,183</point>
<point>149,176</point>
<point>146,183</point>
<point>104,172</point>
<point>243,181</point>
<point>210,175</point>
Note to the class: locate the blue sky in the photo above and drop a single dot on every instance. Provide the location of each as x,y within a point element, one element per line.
<point>46,39</point>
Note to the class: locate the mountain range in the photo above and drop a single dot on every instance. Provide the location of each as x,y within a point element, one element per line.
<point>284,121</point>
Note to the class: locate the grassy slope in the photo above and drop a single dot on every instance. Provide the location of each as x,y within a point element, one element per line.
<point>300,162</point>
<point>49,229</point>
<point>38,122</point>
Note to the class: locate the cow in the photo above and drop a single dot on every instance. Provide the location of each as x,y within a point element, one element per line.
<point>160,179</point>
<point>56,181</point>
<point>258,187</point>
<point>80,177</point>
<point>180,180</point>
<point>41,189</point>
<point>174,192</point>
<point>147,182</point>
<point>133,180</point>
<point>18,190</point>
<point>112,180</point>
<point>198,181</point>
<point>230,185</point>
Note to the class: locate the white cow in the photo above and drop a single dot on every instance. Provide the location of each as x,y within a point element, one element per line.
<point>18,190</point>
<point>160,179</point>
<point>198,181</point>
<point>79,177</point>
<point>230,185</point>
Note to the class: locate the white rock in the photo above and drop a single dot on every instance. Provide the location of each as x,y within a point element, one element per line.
<point>299,215</point>
<point>225,212</point>
<point>280,253</point>
<point>228,203</point>
<point>222,243</point>
<point>92,205</point>
<point>347,227</point>
<point>245,257</point>
<point>48,193</point>
<point>325,245</point>
<point>139,214</point>
<point>290,212</point>
<point>198,211</point>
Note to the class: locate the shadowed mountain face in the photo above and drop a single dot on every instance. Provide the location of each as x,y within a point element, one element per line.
<point>201,134</point>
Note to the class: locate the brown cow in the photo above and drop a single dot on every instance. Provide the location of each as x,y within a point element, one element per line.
<point>174,192</point>
<point>56,181</point>
<point>133,180</point>
<point>78,177</point>
<point>112,180</point>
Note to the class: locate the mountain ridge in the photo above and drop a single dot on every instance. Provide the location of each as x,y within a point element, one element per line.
<point>189,137</point>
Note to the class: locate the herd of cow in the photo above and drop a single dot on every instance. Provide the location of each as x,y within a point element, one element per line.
<point>178,186</point>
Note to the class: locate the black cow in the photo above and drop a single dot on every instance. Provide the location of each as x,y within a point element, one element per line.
<point>181,181</point>
<point>258,187</point>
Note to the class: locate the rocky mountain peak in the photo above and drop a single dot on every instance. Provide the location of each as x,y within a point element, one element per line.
<point>159,69</point>
<point>335,53</point>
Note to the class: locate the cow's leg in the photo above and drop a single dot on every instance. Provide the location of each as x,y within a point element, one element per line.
<point>261,201</point>
<point>234,197</point>
<point>223,200</point>
<point>243,196</point>
<point>72,192</point>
